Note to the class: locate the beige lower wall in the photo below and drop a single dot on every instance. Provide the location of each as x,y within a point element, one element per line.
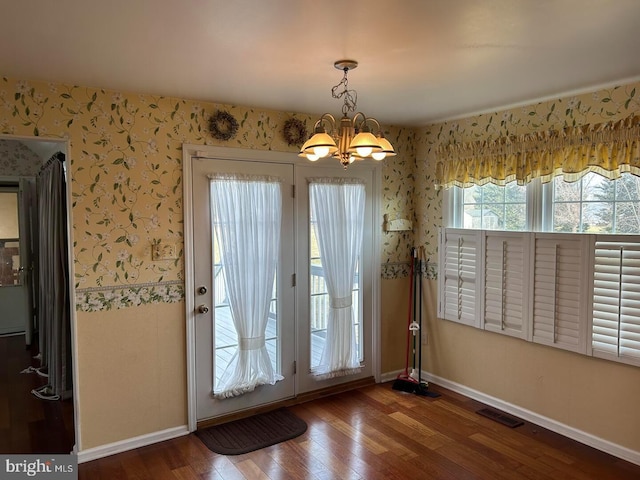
<point>132,372</point>
<point>132,365</point>
<point>393,323</point>
<point>595,396</point>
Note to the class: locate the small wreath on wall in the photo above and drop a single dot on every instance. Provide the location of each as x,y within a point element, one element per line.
<point>223,125</point>
<point>294,131</point>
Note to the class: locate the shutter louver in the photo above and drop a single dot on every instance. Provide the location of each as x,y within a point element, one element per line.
<point>506,283</point>
<point>459,267</point>
<point>616,299</point>
<point>560,284</point>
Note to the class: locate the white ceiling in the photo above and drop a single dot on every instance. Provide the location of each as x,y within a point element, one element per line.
<point>420,60</point>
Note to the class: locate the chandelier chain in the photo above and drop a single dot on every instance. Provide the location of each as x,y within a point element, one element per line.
<point>350,96</point>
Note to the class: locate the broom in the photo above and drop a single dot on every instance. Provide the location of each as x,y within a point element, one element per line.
<point>422,388</point>
<point>405,382</point>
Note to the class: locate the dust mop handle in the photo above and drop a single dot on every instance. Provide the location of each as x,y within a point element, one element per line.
<point>420,316</point>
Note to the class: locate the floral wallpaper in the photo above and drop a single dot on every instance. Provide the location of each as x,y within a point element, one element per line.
<point>125,156</point>
<point>604,105</point>
<point>126,171</point>
<point>398,188</point>
<point>18,160</point>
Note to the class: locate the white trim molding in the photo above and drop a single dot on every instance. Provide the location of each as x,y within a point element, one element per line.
<point>131,443</point>
<point>533,417</point>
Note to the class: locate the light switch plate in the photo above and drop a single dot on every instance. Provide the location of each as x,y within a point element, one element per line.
<point>164,251</point>
<point>398,225</point>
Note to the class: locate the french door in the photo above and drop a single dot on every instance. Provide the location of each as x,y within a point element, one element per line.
<point>297,326</point>
<point>312,297</point>
<point>217,343</point>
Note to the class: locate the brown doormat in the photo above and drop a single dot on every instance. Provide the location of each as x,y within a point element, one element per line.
<point>252,433</point>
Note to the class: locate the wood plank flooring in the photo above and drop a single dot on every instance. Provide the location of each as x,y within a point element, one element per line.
<point>28,424</point>
<point>378,433</point>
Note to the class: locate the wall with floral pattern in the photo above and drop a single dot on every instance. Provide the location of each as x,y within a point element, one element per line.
<point>558,386</point>
<point>125,154</point>
<point>18,160</point>
<point>126,177</point>
<point>590,108</point>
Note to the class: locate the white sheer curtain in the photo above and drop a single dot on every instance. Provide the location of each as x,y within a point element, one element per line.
<point>247,213</point>
<point>338,210</point>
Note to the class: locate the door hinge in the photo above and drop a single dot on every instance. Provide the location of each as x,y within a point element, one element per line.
<point>295,367</point>
<point>293,280</point>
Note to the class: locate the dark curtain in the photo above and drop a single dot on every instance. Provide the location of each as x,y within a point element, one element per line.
<point>54,325</point>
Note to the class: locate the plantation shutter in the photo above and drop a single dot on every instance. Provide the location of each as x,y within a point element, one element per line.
<point>616,299</point>
<point>506,260</point>
<point>560,290</point>
<point>459,273</point>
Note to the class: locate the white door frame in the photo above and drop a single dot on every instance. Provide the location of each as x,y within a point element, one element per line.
<point>225,153</point>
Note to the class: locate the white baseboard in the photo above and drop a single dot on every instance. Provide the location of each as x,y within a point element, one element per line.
<point>533,417</point>
<point>131,443</point>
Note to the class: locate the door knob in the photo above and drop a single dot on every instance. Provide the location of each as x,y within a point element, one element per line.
<point>203,309</point>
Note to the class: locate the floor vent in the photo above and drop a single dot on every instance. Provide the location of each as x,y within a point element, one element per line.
<point>500,417</point>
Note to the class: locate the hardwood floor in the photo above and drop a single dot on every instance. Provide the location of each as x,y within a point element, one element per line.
<point>378,433</point>
<point>28,424</point>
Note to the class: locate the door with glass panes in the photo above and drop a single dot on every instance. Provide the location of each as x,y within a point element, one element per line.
<point>314,299</point>
<point>243,267</point>
<point>296,330</point>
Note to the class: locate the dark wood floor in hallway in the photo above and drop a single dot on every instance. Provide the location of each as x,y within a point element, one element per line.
<point>29,424</point>
<point>378,433</point>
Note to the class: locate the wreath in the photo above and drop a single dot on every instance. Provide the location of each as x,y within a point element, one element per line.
<point>223,125</point>
<point>294,131</point>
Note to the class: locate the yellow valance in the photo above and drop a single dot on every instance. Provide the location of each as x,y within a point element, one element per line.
<point>610,149</point>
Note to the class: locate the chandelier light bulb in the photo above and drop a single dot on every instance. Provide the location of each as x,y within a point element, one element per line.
<point>321,151</point>
<point>312,157</point>
<point>378,155</point>
<point>364,151</point>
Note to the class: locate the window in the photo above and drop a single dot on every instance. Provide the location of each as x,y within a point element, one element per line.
<point>460,265</point>
<point>616,300</point>
<point>492,207</point>
<point>568,274</point>
<point>506,283</point>
<point>595,204</point>
<point>592,204</point>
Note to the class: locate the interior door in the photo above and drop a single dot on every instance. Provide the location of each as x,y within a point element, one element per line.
<point>14,262</point>
<point>215,338</point>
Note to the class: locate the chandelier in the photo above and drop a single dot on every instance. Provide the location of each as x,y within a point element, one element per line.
<point>352,139</point>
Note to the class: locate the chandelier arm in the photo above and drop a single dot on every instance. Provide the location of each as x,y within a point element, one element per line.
<point>359,124</point>
<point>325,120</point>
<point>371,119</point>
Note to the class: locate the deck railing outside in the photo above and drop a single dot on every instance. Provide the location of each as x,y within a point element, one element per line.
<point>226,338</point>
